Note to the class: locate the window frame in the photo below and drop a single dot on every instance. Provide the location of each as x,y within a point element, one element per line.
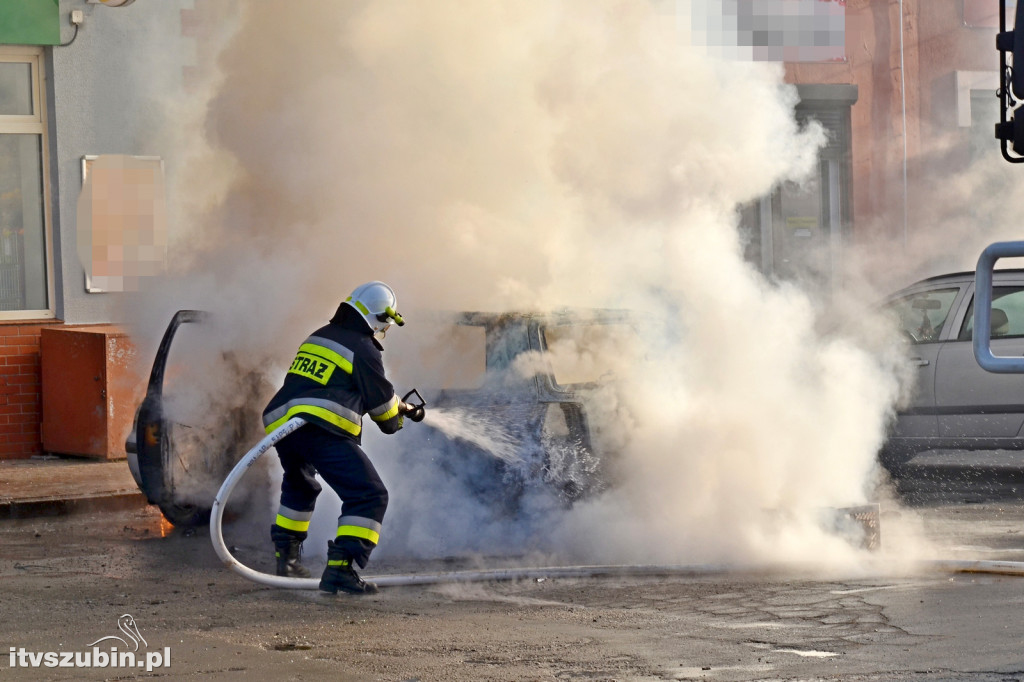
<point>34,124</point>
<point>949,322</point>
<point>966,332</point>
<point>766,243</point>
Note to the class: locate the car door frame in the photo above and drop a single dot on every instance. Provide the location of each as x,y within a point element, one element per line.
<point>916,426</point>
<point>958,429</point>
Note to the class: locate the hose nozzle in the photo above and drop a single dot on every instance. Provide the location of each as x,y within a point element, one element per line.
<point>415,411</point>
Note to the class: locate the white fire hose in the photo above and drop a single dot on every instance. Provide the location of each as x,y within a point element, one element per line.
<point>216,535</point>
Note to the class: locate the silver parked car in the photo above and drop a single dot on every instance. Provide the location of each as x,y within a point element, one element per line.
<point>956,404</point>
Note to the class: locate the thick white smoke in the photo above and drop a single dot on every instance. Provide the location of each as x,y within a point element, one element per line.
<point>503,155</point>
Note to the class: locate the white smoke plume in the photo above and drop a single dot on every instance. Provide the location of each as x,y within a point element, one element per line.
<point>503,155</point>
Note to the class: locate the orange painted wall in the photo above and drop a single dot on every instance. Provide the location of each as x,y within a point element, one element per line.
<point>90,389</point>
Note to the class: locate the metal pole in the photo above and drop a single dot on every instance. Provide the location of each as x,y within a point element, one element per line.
<point>983,309</point>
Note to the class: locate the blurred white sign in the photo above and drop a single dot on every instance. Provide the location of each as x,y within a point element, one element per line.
<point>771,30</point>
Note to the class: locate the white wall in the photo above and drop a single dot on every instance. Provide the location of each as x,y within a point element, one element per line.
<point>110,91</point>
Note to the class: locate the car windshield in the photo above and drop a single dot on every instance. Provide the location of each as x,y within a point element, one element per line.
<point>443,355</point>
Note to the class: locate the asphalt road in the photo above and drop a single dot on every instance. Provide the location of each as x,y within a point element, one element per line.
<point>64,583</point>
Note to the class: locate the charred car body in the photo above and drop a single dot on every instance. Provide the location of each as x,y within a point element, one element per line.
<point>531,425</point>
<point>152,458</point>
<point>535,407</point>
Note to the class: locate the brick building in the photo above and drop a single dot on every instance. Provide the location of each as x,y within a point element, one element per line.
<point>911,102</point>
<point>925,70</point>
<point>20,399</point>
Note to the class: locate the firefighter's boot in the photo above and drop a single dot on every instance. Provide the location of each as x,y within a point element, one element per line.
<point>341,575</point>
<point>288,552</point>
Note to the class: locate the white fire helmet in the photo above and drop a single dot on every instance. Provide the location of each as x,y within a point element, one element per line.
<point>376,302</point>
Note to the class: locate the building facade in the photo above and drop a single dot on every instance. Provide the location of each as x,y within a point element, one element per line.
<point>84,85</point>
<point>77,84</point>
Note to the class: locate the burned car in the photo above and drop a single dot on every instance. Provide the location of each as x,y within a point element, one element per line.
<point>151,457</point>
<point>179,463</point>
<point>515,418</point>
<point>531,404</point>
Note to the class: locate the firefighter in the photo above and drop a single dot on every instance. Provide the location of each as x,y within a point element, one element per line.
<point>337,377</point>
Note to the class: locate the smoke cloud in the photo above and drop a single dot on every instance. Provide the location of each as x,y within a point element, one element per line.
<point>531,156</point>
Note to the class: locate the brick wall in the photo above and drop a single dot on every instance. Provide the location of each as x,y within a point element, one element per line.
<point>20,390</point>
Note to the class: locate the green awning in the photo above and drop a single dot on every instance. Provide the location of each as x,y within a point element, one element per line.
<point>29,22</point>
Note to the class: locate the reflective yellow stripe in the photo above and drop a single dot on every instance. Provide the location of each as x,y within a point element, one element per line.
<point>388,414</point>
<point>359,304</point>
<point>359,532</point>
<point>393,412</point>
<point>292,524</point>
<point>327,354</point>
<point>325,414</point>
<point>338,562</point>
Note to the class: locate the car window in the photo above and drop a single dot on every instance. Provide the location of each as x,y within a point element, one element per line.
<point>584,353</point>
<point>923,314</point>
<point>1007,314</point>
<point>441,355</point>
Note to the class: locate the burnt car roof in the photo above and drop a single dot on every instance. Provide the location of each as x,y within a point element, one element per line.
<point>560,316</point>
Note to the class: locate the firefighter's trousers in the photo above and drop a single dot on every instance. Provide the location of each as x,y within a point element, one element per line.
<point>340,461</point>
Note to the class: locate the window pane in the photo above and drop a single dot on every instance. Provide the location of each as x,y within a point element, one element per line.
<point>15,89</point>
<point>22,237</point>
<point>587,353</point>
<point>801,230</point>
<point>1007,317</point>
<point>984,116</point>
<point>750,233</point>
<point>922,315</point>
<point>457,356</point>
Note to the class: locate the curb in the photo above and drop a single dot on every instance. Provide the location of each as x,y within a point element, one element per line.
<point>23,509</point>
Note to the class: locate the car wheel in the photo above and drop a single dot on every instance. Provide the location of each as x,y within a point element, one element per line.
<point>187,515</point>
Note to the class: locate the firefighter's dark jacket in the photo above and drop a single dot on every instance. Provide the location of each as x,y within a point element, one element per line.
<point>337,377</point>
